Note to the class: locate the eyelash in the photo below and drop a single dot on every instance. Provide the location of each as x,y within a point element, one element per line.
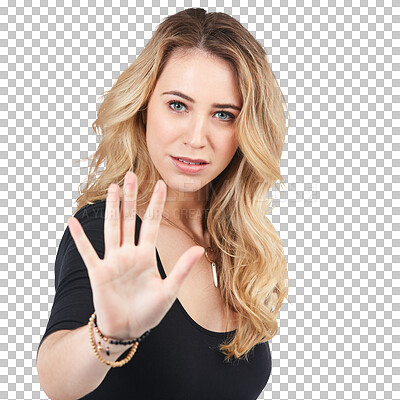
<point>232,117</point>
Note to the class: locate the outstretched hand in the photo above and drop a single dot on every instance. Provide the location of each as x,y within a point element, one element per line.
<point>129,295</point>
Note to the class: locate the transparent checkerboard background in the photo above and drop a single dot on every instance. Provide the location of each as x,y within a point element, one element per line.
<point>336,63</point>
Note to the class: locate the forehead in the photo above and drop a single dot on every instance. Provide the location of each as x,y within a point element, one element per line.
<point>197,72</point>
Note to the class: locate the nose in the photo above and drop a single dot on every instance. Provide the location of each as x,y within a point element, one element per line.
<point>196,131</point>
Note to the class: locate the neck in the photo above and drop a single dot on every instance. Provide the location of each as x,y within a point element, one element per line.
<point>185,209</point>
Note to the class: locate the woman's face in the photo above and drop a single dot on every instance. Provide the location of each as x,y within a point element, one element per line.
<point>195,122</point>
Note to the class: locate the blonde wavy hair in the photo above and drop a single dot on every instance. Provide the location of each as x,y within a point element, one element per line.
<point>252,267</point>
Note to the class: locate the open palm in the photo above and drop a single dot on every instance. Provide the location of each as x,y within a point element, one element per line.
<point>129,295</point>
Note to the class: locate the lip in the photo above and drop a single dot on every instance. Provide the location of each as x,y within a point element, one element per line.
<point>186,168</point>
<point>197,160</point>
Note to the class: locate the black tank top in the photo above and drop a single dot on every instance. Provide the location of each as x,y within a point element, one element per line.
<point>179,360</point>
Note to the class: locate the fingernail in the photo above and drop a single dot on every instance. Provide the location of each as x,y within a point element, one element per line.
<point>157,186</point>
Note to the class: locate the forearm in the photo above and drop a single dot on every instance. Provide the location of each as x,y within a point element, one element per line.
<point>68,367</point>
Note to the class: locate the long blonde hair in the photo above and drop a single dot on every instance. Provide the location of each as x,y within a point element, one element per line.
<point>252,269</point>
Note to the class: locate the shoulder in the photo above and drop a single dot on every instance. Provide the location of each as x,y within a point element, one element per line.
<point>95,212</point>
<point>90,211</point>
<point>91,218</point>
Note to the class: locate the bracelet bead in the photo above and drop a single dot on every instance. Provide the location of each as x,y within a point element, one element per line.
<point>135,342</point>
<point>117,341</point>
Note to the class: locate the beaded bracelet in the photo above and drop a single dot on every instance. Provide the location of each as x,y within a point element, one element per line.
<point>92,321</point>
<point>116,341</point>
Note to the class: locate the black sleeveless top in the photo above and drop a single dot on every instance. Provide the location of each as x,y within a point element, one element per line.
<point>179,360</point>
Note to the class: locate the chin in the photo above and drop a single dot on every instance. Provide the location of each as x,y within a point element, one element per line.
<point>187,184</point>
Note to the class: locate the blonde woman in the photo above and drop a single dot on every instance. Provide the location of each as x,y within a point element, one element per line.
<point>169,277</point>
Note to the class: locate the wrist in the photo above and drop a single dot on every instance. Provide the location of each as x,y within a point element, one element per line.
<point>111,339</point>
<point>108,350</point>
<point>105,346</point>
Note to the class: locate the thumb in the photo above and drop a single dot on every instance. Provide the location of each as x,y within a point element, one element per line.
<point>181,270</point>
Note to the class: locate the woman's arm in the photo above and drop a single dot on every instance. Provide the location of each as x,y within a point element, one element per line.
<point>67,365</point>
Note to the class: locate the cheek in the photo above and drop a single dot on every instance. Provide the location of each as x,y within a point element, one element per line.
<point>228,148</point>
<point>151,140</point>
<point>161,131</point>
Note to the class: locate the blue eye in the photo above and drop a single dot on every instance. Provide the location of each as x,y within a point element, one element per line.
<point>228,114</point>
<point>175,102</point>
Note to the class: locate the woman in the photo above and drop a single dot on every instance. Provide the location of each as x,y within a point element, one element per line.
<point>177,256</point>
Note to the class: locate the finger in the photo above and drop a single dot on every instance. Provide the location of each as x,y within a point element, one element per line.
<point>152,217</point>
<point>128,218</point>
<point>85,248</point>
<point>111,220</point>
<point>181,270</point>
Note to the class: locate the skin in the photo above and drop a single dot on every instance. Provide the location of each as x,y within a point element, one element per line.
<point>196,130</point>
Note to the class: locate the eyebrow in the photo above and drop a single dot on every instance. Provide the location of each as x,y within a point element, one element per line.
<point>186,97</point>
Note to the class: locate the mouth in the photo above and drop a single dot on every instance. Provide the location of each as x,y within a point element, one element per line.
<point>188,167</point>
<point>190,161</point>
